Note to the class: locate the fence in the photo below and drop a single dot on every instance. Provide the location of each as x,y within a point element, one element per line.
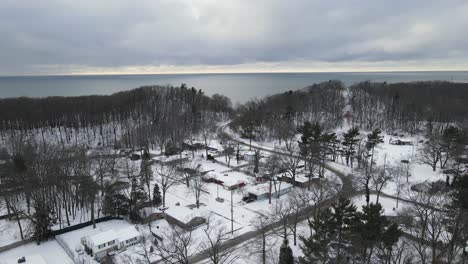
<point>85,224</point>
<point>16,244</point>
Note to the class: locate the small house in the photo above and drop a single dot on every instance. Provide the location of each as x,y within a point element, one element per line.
<point>262,191</point>
<point>401,141</point>
<point>100,244</point>
<point>301,180</point>
<point>228,183</point>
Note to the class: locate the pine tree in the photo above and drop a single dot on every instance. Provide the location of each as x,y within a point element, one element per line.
<point>350,139</point>
<point>156,195</point>
<point>41,221</point>
<point>115,203</point>
<point>332,233</point>
<point>373,229</point>
<point>286,254</point>
<point>137,196</point>
<point>316,248</point>
<point>344,215</point>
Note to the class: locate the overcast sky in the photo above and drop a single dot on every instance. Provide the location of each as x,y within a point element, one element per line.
<point>172,36</point>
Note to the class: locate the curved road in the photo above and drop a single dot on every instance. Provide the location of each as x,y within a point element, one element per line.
<point>347,190</point>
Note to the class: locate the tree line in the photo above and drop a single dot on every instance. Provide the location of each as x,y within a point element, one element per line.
<point>148,116</point>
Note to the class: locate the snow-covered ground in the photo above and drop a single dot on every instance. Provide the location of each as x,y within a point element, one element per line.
<point>180,199</point>
<point>50,251</point>
<point>389,205</point>
<point>72,240</point>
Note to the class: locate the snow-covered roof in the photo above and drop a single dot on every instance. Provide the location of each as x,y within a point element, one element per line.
<point>103,237</point>
<point>263,188</point>
<point>300,177</point>
<point>228,178</point>
<point>31,259</point>
<point>109,235</point>
<point>128,233</point>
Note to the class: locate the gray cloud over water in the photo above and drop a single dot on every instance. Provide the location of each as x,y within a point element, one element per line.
<point>89,36</point>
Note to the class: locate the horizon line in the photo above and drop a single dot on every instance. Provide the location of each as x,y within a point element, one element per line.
<point>215,73</point>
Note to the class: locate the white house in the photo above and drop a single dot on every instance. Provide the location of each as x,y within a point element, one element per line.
<point>262,190</point>
<point>100,244</point>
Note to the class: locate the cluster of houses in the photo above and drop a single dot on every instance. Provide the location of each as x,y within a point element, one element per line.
<point>104,243</point>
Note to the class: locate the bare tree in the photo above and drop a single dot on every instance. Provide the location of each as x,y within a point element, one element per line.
<point>400,171</point>
<point>177,246</point>
<point>102,165</point>
<point>207,131</point>
<point>264,242</point>
<point>292,159</point>
<point>427,211</point>
<point>381,176</point>
<point>272,168</point>
<point>229,151</point>
<point>169,176</point>
<point>196,186</point>
<point>281,213</point>
<point>430,153</point>
<point>189,169</point>
<point>298,204</point>
<point>215,235</point>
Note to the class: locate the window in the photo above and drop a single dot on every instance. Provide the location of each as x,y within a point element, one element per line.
<point>130,240</point>
<point>101,246</point>
<point>111,242</point>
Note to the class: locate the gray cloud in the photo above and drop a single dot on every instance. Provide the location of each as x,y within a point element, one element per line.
<point>67,36</point>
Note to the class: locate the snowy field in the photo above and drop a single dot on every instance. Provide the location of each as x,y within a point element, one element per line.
<point>50,251</point>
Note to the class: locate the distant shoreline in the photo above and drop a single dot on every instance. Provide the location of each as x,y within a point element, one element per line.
<point>240,87</point>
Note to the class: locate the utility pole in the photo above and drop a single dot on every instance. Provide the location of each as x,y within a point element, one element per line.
<point>232,216</point>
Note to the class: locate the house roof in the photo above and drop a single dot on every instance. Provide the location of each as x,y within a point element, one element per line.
<point>103,237</point>
<point>128,233</point>
<point>264,188</point>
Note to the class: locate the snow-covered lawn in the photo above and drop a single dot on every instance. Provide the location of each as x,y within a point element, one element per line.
<point>9,231</point>
<point>388,204</point>
<point>50,251</point>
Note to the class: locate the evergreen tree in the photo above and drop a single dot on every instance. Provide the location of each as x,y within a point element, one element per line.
<point>332,233</point>
<point>306,131</point>
<point>286,254</point>
<point>372,229</point>
<point>41,221</point>
<point>137,196</point>
<point>156,195</point>
<point>146,174</point>
<point>115,203</point>
<point>350,139</point>
<point>345,217</point>
<point>373,139</point>
<point>316,248</point>
<point>327,140</point>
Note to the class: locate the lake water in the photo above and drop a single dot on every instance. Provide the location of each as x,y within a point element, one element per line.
<point>238,87</point>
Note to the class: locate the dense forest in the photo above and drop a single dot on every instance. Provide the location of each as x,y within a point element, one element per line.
<point>148,115</point>
<point>278,115</point>
<point>408,106</point>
